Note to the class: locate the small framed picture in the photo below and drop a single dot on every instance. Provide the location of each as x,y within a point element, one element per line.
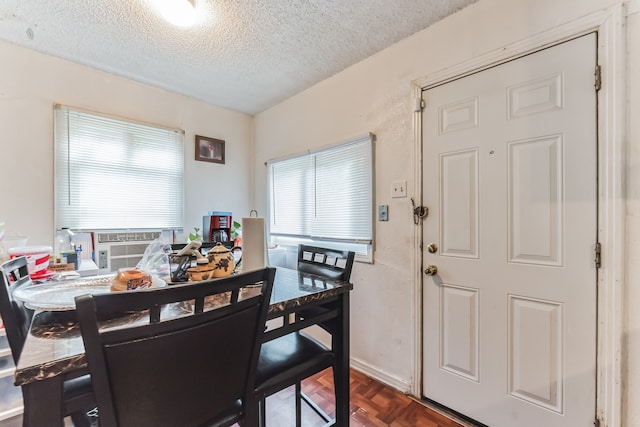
<point>209,149</point>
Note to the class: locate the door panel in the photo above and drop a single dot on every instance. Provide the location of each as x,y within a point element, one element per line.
<point>535,363</point>
<point>535,200</point>
<point>459,332</point>
<point>510,180</point>
<point>459,204</point>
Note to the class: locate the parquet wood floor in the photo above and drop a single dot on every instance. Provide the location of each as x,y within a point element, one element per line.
<point>372,404</point>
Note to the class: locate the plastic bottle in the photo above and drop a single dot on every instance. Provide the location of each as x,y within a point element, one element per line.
<point>64,245</point>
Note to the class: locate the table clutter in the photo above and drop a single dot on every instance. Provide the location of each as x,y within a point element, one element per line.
<point>189,264</point>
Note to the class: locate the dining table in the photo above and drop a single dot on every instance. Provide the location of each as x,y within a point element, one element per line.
<point>54,352</point>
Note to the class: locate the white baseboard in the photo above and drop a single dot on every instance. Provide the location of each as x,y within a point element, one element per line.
<point>379,375</point>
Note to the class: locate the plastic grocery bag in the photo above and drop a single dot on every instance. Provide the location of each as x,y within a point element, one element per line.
<point>155,260</point>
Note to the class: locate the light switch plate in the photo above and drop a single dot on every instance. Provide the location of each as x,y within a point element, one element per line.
<point>399,189</point>
<point>383,213</point>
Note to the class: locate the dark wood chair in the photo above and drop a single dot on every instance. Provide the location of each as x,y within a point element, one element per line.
<point>287,360</point>
<point>330,263</point>
<point>197,369</point>
<point>16,317</point>
<point>78,397</point>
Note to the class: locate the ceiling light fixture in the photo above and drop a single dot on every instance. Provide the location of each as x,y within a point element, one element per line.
<point>178,12</point>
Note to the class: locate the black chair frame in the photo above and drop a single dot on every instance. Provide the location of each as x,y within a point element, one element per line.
<point>16,317</point>
<point>300,355</point>
<point>210,356</point>
<point>329,263</point>
<point>78,398</point>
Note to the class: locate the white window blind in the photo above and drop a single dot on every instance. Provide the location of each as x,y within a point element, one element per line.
<point>112,173</point>
<point>324,195</point>
<point>292,196</point>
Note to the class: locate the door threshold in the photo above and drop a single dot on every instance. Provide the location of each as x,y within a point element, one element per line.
<point>450,413</point>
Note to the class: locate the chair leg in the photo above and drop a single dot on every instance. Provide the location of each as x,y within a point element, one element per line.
<point>337,391</point>
<point>252,414</point>
<point>318,410</point>
<point>263,412</point>
<point>298,405</point>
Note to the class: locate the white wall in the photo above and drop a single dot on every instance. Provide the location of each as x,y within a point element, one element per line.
<point>375,95</point>
<point>31,83</point>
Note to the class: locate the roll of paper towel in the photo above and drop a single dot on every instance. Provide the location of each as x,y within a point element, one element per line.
<point>254,244</point>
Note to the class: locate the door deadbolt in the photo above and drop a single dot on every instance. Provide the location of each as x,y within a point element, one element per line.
<point>431,270</point>
<point>432,248</point>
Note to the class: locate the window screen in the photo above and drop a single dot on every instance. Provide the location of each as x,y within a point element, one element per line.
<point>112,173</point>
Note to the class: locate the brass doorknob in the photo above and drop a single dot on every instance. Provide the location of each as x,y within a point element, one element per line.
<point>432,248</point>
<point>431,270</point>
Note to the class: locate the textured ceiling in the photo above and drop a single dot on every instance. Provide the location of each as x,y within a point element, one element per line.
<point>244,55</point>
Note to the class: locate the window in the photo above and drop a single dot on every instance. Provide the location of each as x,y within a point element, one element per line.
<point>325,198</point>
<point>116,174</point>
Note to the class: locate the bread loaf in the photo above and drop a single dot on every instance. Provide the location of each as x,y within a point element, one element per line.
<point>130,278</point>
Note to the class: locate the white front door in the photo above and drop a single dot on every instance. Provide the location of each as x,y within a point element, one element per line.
<point>510,183</point>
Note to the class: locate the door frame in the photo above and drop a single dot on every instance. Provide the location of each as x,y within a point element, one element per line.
<point>610,26</point>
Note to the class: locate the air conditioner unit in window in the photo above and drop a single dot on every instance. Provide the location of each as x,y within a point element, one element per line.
<point>117,249</point>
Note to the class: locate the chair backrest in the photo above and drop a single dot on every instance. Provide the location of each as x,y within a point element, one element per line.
<point>330,263</point>
<point>184,370</point>
<point>15,316</point>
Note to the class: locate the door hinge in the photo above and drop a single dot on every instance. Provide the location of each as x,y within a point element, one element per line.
<point>598,259</point>
<point>419,105</point>
<point>596,422</point>
<point>598,76</point>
